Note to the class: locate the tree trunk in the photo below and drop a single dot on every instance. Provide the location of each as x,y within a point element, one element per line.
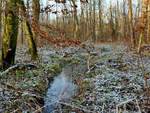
<point>36,15</point>
<point>100,19</point>
<point>22,33</point>
<point>124,21</point>
<point>148,29</point>
<point>131,24</point>
<point>9,41</point>
<point>94,20</point>
<point>29,33</point>
<point>144,21</point>
<point>90,19</point>
<point>112,24</point>
<point>0,22</point>
<point>87,21</point>
<point>36,10</point>
<point>31,42</point>
<point>76,22</point>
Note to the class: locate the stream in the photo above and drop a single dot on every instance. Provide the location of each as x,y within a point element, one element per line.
<point>61,90</point>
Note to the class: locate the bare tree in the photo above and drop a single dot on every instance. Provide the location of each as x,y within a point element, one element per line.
<point>131,24</point>
<point>76,22</point>
<point>148,30</point>
<point>143,25</point>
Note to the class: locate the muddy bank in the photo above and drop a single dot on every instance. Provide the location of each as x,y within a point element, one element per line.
<point>64,87</point>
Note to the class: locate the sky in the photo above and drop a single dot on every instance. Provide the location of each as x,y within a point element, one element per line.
<point>106,4</point>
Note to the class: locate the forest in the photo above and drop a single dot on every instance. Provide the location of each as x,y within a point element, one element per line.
<point>74,56</point>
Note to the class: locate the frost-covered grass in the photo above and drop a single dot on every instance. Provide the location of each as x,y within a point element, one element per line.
<point>116,77</point>
<point>111,80</point>
<point>23,88</point>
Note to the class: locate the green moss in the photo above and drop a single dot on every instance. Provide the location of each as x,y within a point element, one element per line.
<point>29,33</point>
<point>16,103</point>
<point>10,36</point>
<point>54,69</point>
<point>73,60</point>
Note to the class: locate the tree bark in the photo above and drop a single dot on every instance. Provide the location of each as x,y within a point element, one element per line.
<point>29,33</point>
<point>76,22</point>
<point>0,22</point>
<point>144,21</point>
<point>35,15</point>
<point>94,20</point>
<point>9,40</point>
<point>36,10</point>
<point>100,19</point>
<point>124,20</point>
<point>133,42</point>
<point>31,42</point>
<point>87,21</point>
<point>112,24</point>
<point>148,30</point>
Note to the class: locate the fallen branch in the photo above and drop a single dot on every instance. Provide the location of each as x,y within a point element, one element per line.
<point>14,67</point>
<point>125,102</point>
<point>122,103</point>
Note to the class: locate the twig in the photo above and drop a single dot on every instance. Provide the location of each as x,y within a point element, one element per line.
<point>87,111</point>
<point>138,106</point>
<point>122,103</point>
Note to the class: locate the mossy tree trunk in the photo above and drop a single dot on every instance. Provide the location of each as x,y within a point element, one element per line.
<point>10,34</point>
<point>31,42</point>
<point>29,33</point>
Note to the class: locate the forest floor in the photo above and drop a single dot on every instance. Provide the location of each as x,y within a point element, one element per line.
<point>110,80</point>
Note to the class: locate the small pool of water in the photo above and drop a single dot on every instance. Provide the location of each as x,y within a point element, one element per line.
<point>61,90</point>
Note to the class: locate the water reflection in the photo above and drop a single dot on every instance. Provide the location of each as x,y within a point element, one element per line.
<point>61,90</point>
